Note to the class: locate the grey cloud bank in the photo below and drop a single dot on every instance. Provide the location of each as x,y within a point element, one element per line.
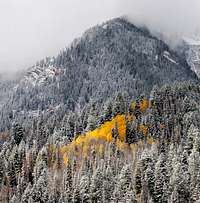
<point>172,18</point>
<point>33,29</point>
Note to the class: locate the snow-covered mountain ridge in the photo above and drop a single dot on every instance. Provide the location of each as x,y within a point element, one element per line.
<point>113,57</point>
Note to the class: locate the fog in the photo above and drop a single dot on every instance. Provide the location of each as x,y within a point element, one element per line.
<point>33,29</point>
<point>174,19</point>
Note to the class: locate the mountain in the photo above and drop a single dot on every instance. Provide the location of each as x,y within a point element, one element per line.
<point>109,58</point>
<point>115,117</point>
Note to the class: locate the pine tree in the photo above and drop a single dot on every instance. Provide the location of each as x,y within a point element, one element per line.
<point>161,179</point>
<point>11,175</point>
<point>92,120</point>
<point>145,161</point>
<point>138,180</point>
<point>119,106</point>
<point>16,159</point>
<point>67,184</point>
<point>124,184</point>
<point>131,134</point>
<point>76,198</point>
<point>27,194</point>
<point>183,190</point>
<point>15,199</point>
<point>17,133</point>
<point>96,186</point>
<point>107,111</point>
<point>108,184</point>
<point>69,127</point>
<point>84,189</point>
<point>150,178</point>
<point>40,189</point>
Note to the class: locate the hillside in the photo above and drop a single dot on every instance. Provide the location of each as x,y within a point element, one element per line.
<point>113,57</point>
<point>130,149</point>
<point>115,117</point>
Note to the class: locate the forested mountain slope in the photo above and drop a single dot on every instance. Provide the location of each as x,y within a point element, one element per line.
<point>110,58</point>
<point>141,151</point>
<point>113,118</point>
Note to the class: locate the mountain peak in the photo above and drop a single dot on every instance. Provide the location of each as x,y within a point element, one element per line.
<point>113,57</point>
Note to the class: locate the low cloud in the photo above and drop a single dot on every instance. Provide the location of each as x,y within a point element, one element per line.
<point>171,18</point>
<point>33,29</point>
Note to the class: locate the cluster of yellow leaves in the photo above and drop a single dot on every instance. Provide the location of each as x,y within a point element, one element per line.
<point>143,129</point>
<point>133,105</point>
<point>96,139</point>
<point>143,105</point>
<point>82,143</point>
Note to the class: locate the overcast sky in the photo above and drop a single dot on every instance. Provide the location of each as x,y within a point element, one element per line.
<point>33,29</point>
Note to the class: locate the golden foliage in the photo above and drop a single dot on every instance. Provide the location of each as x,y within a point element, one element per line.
<point>82,144</point>
<point>133,105</point>
<point>143,129</point>
<point>143,105</point>
<point>95,140</point>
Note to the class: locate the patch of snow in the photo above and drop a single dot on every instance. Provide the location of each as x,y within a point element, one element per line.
<point>168,56</point>
<point>39,75</point>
